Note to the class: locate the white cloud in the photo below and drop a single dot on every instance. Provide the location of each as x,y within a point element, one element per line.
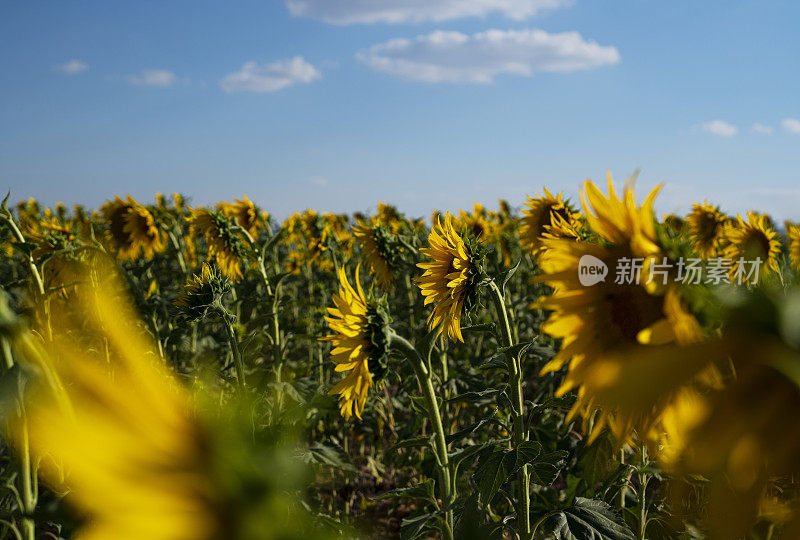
<point>411,11</point>
<point>459,58</point>
<point>270,78</point>
<point>720,128</point>
<point>319,181</point>
<point>154,77</point>
<point>72,67</point>
<point>791,125</point>
<point>762,129</point>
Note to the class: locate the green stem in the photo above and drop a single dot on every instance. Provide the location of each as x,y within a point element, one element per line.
<point>237,355</point>
<point>425,379</point>
<point>28,478</point>
<point>518,412</point>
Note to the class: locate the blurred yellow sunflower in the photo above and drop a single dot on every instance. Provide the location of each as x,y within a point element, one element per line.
<point>476,222</point>
<point>377,252</point>
<point>224,244</point>
<point>749,240</point>
<point>614,322</point>
<point>793,241</point>
<point>246,213</point>
<point>120,436</point>
<point>450,279</point>
<point>706,227</point>
<point>389,216</point>
<point>132,229</point>
<point>547,216</point>
<point>359,338</point>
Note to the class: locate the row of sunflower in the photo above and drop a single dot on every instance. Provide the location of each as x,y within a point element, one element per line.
<point>567,371</point>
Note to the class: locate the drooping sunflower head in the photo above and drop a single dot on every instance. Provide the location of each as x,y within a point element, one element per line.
<point>706,227</point>
<point>389,216</point>
<point>132,229</point>
<point>609,323</point>
<point>751,241</point>
<point>793,242</point>
<point>247,215</point>
<point>140,225</point>
<point>201,293</point>
<point>360,341</point>
<point>380,251</point>
<point>547,216</point>
<point>224,244</point>
<point>451,279</point>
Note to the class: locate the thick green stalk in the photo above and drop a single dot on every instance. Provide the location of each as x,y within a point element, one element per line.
<point>234,344</point>
<point>425,379</point>
<point>518,412</point>
<point>28,478</point>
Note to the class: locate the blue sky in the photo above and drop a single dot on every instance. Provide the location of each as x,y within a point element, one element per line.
<point>339,104</point>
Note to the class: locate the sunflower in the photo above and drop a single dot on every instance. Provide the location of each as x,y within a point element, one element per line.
<point>201,292</point>
<point>793,242</point>
<point>749,240</point>
<point>389,216</point>
<point>706,228</point>
<point>223,244</point>
<point>360,337</point>
<point>450,280</point>
<point>476,223</point>
<point>143,232</point>
<point>246,213</point>
<point>744,434</point>
<point>378,252</point>
<point>137,454</point>
<point>616,321</point>
<point>119,433</point>
<point>547,216</point>
<point>132,229</point>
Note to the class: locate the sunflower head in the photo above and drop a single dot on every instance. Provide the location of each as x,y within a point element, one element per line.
<point>614,322</point>
<point>246,214</point>
<point>793,243</point>
<point>390,217</point>
<point>360,343</point>
<point>224,244</point>
<point>132,229</point>
<point>380,250</point>
<point>547,216</point>
<point>706,228</point>
<point>752,240</point>
<point>451,278</point>
<point>201,293</point>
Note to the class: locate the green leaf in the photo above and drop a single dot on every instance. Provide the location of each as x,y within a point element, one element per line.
<point>508,274</point>
<point>474,397</point>
<point>413,527</point>
<point>597,460</point>
<point>493,470</point>
<point>544,470</point>
<point>472,428</point>
<point>422,491</point>
<point>329,454</point>
<point>588,519</point>
<point>486,327</point>
<point>412,443</point>
<point>516,350</point>
<point>425,345</point>
<point>526,452</point>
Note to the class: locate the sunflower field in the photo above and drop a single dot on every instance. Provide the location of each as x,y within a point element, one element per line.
<point>548,369</point>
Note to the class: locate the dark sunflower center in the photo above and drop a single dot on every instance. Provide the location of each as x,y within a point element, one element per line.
<point>756,244</point>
